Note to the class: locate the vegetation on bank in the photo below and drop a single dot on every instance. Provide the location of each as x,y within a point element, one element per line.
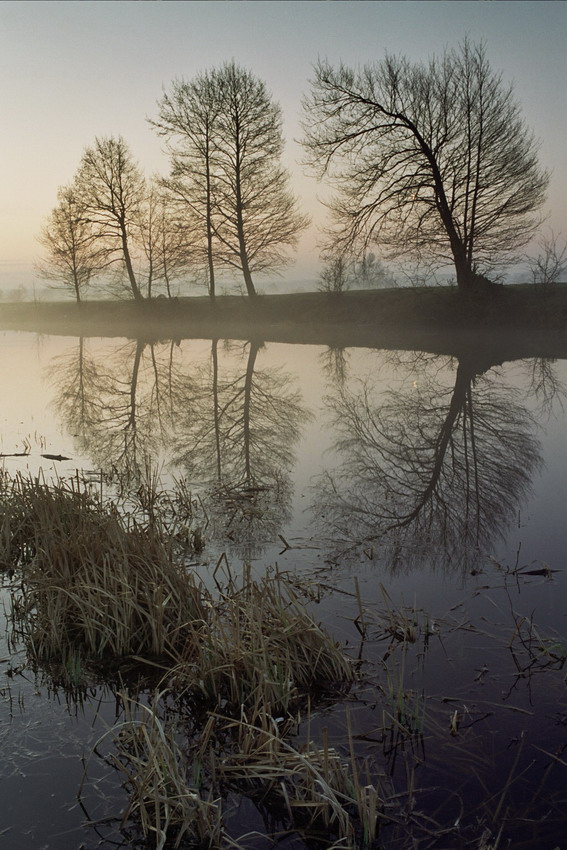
<point>312,315</point>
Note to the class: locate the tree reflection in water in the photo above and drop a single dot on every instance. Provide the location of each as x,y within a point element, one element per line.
<point>118,405</point>
<point>236,432</point>
<point>428,471</point>
<point>228,428</point>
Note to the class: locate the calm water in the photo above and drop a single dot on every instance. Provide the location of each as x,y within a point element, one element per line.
<point>438,484</point>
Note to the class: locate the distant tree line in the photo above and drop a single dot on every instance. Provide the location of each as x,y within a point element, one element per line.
<point>430,161</point>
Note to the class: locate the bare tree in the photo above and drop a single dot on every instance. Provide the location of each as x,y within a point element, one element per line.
<point>111,190</point>
<point>226,149</point>
<point>162,236</point>
<point>433,159</point>
<point>257,214</point>
<point>550,264</point>
<point>187,118</point>
<point>72,253</point>
<point>336,274</point>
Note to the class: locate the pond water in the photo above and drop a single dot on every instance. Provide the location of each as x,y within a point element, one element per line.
<point>429,490</point>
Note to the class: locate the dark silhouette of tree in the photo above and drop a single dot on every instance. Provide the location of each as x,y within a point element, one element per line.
<point>111,190</point>
<point>429,159</point>
<point>257,214</point>
<point>226,149</point>
<point>73,254</point>
<point>187,118</point>
<point>429,470</point>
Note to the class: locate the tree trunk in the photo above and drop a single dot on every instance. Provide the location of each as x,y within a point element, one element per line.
<point>212,292</point>
<point>244,254</point>
<point>128,263</point>
<point>216,407</point>
<point>246,412</point>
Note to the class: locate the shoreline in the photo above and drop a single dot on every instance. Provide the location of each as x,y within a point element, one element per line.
<point>516,322</point>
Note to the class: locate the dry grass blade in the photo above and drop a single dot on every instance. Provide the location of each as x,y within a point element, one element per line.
<point>262,641</point>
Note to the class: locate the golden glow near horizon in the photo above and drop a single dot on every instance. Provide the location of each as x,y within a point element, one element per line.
<point>75,70</point>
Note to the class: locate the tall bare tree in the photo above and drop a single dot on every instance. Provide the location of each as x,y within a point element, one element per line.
<point>433,159</point>
<point>226,149</point>
<point>72,252</point>
<point>112,190</point>
<point>187,118</point>
<point>257,214</point>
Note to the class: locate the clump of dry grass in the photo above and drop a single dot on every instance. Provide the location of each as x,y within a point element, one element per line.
<point>261,643</point>
<point>167,806</point>
<point>91,583</point>
<point>97,587</point>
<point>177,794</point>
<point>319,789</point>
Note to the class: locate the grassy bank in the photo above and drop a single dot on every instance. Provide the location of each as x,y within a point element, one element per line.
<point>431,318</point>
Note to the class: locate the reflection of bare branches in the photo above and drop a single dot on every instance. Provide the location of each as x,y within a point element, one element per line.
<point>235,432</point>
<point>73,375</point>
<point>428,467</point>
<point>335,363</point>
<point>116,406</point>
<point>545,385</point>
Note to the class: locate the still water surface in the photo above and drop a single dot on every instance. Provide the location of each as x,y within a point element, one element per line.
<point>439,484</point>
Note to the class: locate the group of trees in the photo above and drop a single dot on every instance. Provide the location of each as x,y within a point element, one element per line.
<point>225,205</point>
<point>431,161</point>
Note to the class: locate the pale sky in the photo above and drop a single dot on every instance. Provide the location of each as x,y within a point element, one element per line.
<point>71,71</point>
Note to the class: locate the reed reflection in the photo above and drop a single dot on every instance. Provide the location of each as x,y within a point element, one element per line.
<point>428,472</point>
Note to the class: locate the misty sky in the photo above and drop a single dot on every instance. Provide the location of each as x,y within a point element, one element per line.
<point>71,71</point>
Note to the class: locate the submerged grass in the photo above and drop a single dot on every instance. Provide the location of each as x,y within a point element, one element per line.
<point>179,794</point>
<point>156,771</point>
<point>261,644</point>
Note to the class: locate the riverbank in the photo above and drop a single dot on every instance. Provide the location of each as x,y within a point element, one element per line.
<point>531,320</point>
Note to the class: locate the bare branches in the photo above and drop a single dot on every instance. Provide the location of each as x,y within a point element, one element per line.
<point>429,159</point>
<point>550,265</point>
<point>111,189</point>
<point>225,141</point>
<point>73,254</point>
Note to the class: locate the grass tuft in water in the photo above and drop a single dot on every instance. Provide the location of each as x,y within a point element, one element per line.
<point>90,583</point>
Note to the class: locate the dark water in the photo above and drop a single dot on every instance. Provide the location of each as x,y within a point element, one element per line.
<point>438,484</point>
